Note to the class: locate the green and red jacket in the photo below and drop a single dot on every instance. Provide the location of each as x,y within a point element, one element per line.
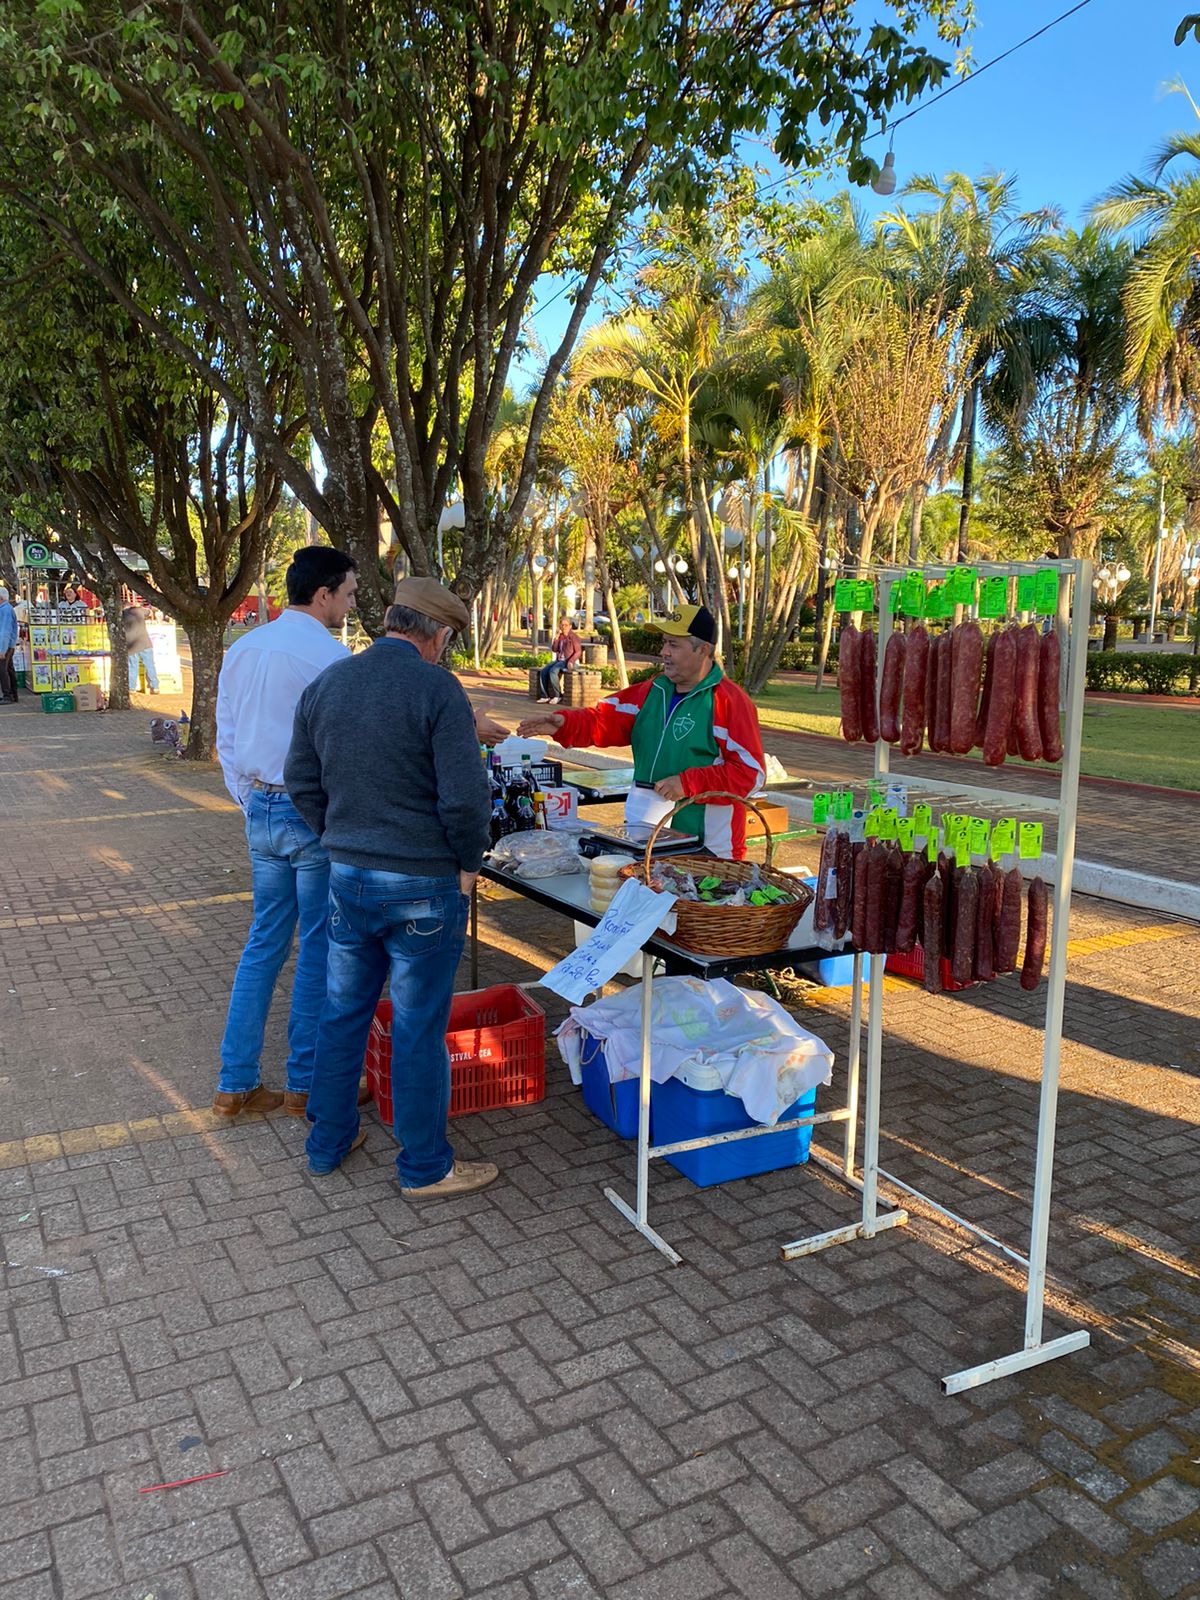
<point>711,741</point>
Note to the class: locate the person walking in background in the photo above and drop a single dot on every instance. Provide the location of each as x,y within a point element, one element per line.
<point>138,648</point>
<point>8,644</point>
<point>384,767</point>
<point>568,649</point>
<point>264,674</point>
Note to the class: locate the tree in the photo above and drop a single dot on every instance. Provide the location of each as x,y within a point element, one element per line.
<point>385,185</point>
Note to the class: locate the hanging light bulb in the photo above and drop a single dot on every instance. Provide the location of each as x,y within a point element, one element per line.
<point>885,183</point>
<point>1123,573</point>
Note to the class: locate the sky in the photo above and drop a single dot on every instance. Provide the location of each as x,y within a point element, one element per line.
<point>1068,115</point>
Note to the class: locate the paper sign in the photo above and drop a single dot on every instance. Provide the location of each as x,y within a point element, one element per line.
<point>897,796</point>
<point>993,597</point>
<point>1026,591</point>
<point>632,917</point>
<point>1030,846</point>
<point>960,586</point>
<point>1045,599</point>
<point>560,807</point>
<point>821,805</point>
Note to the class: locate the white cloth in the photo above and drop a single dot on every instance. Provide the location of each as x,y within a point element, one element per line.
<point>763,1055</point>
<point>263,676</point>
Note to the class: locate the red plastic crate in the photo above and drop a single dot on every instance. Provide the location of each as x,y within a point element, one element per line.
<point>497,1045</point>
<point>912,965</point>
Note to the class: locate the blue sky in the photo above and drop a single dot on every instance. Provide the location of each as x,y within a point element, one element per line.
<point>1068,115</point>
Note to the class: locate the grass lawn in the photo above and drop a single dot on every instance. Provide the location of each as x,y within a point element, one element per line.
<point>1142,744</point>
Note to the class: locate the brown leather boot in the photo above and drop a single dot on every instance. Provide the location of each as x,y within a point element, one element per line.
<point>295,1101</point>
<point>229,1106</point>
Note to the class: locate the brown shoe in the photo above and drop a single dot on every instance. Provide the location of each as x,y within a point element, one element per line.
<point>464,1177</point>
<point>229,1106</point>
<point>323,1172</point>
<point>295,1101</point>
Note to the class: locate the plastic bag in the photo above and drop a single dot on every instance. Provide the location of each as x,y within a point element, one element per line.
<point>538,854</point>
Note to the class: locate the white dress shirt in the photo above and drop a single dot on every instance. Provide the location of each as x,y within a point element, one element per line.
<point>264,674</point>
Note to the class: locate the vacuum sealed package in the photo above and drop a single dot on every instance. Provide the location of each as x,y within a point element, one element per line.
<point>540,854</point>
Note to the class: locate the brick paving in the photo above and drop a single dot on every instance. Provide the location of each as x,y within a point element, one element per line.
<point>511,1395</point>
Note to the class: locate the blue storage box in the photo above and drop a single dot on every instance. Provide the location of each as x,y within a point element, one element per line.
<point>616,1104</point>
<point>693,1104</point>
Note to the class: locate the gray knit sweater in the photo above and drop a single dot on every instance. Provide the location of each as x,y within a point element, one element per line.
<point>385,766</point>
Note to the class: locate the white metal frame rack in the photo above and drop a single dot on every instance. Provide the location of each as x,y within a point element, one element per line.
<point>1074,611</point>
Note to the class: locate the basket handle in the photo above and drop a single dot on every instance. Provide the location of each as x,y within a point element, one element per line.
<point>704,799</point>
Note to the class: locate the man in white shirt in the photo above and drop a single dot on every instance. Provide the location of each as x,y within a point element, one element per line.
<point>264,674</point>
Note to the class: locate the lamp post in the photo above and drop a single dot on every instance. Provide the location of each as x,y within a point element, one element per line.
<point>1108,583</point>
<point>1158,544</point>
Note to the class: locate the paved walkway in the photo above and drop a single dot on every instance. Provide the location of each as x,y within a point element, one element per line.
<point>510,1396</point>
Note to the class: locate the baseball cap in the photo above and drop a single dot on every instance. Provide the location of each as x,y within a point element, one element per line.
<point>432,599</point>
<point>696,621</point>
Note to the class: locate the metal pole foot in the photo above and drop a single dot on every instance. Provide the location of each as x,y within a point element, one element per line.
<point>856,1230</point>
<point>644,1228</point>
<point>972,1377</point>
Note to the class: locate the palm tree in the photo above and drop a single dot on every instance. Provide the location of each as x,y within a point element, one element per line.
<point>1162,294</point>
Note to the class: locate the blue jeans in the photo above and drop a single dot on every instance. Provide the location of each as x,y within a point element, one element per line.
<point>290,873</point>
<point>146,657</point>
<point>414,929</point>
<point>550,677</point>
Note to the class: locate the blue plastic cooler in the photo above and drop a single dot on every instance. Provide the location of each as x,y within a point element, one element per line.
<point>693,1104</point>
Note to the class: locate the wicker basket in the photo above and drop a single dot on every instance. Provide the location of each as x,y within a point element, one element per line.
<point>729,930</point>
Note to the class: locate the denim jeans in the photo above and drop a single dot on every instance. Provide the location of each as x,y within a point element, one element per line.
<point>290,873</point>
<point>413,929</point>
<point>146,657</point>
<point>550,677</point>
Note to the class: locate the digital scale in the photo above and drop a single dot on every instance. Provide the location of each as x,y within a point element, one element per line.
<point>631,838</point>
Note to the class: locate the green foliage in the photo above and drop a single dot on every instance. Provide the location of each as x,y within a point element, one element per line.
<point>1141,672</point>
<point>1190,24</point>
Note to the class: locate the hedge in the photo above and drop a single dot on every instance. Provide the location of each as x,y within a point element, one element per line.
<point>1143,672</point>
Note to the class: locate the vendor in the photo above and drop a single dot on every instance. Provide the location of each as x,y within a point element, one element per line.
<point>692,732</point>
<point>568,651</point>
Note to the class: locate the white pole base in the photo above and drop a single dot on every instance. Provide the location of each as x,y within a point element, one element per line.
<point>644,1228</point>
<point>856,1230</point>
<point>973,1377</point>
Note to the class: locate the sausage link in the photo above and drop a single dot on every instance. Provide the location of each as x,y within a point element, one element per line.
<point>1049,668</point>
<point>985,964</point>
<point>1009,938</point>
<point>849,671</point>
<point>821,916</point>
<point>985,700</point>
<point>945,691</point>
<point>933,915</point>
<point>966,655</point>
<point>911,890</point>
<point>949,874</point>
<point>845,885</point>
<point>867,692</point>
<point>1035,934</point>
<point>932,668</point>
<point>875,862</point>
<point>966,917</point>
<point>1002,650</point>
<point>892,687</point>
<point>916,666</point>
<point>893,888</point>
<point>858,921</point>
<point>1029,738</point>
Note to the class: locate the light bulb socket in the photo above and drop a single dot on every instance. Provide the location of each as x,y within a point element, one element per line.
<point>885,183</point>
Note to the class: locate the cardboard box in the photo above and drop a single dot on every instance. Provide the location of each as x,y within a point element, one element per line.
<point>777,819</point>
<point>88,697</point>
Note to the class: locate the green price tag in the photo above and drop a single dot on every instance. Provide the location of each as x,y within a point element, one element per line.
<point>843,805</point>
<point>821,804</point>
<point>1026,591</point>
<point>993,597</point>
<point>871,824</point>
<point>922,818</point>
<point>1030,846</point>
<point>1004,837</point>
<point>888,822</point>
<point>1045,597</point>
<point>931,845</point>
<point>979,835</point>
<point>962,851</point>
<point>895,595</point>
<point>874,795</point>
<point>906,833</point>
<point>864,595</point>
<point>960,586</point>
<point>912,601</point>
<point>937,602</point>
<point>843,595</point>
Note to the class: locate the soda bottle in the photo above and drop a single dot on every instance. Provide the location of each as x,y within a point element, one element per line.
<point>502,824</point>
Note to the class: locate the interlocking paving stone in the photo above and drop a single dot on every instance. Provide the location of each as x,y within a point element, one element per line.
<point>511,1397</point>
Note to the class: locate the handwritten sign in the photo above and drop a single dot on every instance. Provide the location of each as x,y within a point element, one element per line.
<point>632,917</point>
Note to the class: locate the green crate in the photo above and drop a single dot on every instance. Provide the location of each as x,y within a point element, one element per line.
<point>58,700</point>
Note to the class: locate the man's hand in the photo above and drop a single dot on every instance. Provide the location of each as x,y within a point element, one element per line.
<point>487,731</point>
<point>670,788</point>
<point>545,725</point>
<point>466,882</point>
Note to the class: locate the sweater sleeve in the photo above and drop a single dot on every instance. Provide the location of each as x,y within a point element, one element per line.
<point>463,793</point>
<point>302,771</point>
<point>608,722</point>
<point>740,768</point>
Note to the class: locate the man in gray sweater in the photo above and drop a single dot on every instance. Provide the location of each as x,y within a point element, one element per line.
<point>384,766</point>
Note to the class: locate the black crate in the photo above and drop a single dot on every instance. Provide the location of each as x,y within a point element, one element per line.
<point>548,774</point>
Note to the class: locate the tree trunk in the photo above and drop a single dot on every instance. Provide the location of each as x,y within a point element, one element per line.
<point>610,606</point>
<point>914,526</point>
<point>207,638</point>
<point>109,596</point>
<point>970,413</point>
<point>1109,641</point>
